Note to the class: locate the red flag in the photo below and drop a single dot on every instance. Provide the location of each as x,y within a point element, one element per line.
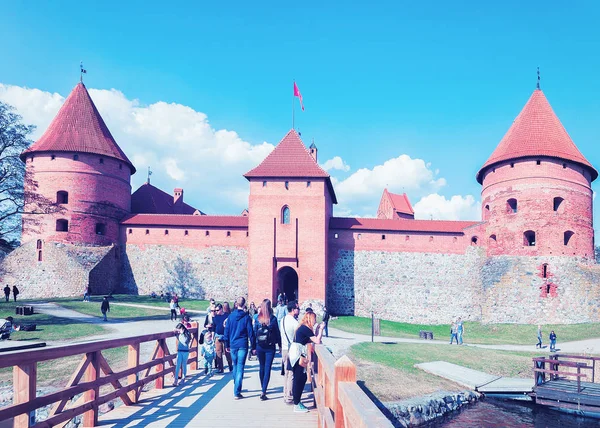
<point>298,94</point>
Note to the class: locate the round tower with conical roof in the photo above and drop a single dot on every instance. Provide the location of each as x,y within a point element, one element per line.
<point>537,195</point>
<point>77,164</point>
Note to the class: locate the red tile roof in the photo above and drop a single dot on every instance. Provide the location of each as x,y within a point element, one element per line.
<point>290,158</point>
<point>230,221</point>
<point>536,131</point>
<point>400,203</point>
<point>400,225</point>
<point>151,200</point>
<point>78,127</point>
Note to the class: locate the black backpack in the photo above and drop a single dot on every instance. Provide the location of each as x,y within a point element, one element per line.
<point>263,335</point>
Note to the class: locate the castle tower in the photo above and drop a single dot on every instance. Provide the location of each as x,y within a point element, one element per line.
<point>291,202</point>
<point>77,164</point>
<point>536,195</point>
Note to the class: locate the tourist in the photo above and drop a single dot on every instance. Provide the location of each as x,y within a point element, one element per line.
<point>238,331</point>
<point>252,310</point>
<point>281,296</point>
<point>539,337</point>
<point>298,356</point>
<point>453,332</point>
<point>288,328</point>
<point>226,308</point>
<point>326,316</point>
<point>207,351</point>
<point>168,297</point>
<point>552,341</point>
<point>15,292</point>
<point>266,332</point>
<point>86,294</point>
<point>280,311</point>
<point>186,321</point>
<point>173,310</point>
<point>208,320</point>
<point>7,328</point>
<point>219,323</point>
<point>182,312</point>
<point>176,300</point>
<point>460,329</point>
<point>7,292</point>
<point>211,304</point>
<point>153,295</point>
<point>105,307</point>
<point>184,338</point>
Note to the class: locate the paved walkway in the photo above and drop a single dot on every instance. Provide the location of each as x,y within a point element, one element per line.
<point>160,308</point>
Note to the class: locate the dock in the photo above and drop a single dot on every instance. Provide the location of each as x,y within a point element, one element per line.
<point>479,381</point>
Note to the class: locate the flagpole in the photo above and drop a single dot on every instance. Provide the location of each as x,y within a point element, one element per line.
<point>293,108</point>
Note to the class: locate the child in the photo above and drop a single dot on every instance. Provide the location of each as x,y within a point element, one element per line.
<point>207,350</point>
<point>184,338</point>
<point>182,312</point>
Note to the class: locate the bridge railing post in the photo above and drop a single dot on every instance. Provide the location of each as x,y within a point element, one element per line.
<point>160,381</point>
<point>345,371</point>
<point>90,418</point>
<point>133,360</point>
<point>194,355</point>
<point>24,385</point>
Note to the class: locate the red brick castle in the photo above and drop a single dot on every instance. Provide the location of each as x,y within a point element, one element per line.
<point>531,258</point>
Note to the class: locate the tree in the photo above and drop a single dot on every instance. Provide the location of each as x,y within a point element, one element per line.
<point>17,187</point>
<point>182,279</point>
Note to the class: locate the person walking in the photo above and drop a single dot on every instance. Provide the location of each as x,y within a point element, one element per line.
<point>288,328</point>
<point>207,351</point>
<point>539,337</point>
<point>184,338</point>
<point>226,308</point>
<point>173,308</point>
<point>298,353</point>
<point>86,294</point>
<point>280,311</point>
<point>266,332</point>
<point>105,307</point>
<point>552,341</point>
<point>453,332</point>
<point>238,331</point>
<point>460,329</point>
<point>326,316</point>
<point>7,292</point>
<point>15,292</point>
<point>176,300</point>
<point>219,323</point>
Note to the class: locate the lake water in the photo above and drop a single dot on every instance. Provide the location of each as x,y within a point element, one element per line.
<point>500,413</point>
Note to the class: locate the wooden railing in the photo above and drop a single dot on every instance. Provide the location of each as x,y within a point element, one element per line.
<point>563,365</point>
<point>87,378</point>
<point>341,403</point>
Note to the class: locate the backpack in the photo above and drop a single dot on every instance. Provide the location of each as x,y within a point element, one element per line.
<point>263,335</point>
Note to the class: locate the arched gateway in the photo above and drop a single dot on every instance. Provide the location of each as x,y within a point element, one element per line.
<point>287,280</point>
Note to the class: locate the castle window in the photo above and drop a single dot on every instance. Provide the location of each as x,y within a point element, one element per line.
<point>247,234</point>
<point>407,238</point>
<point>558,202</point>
<point>186,233</point>
<point>538,162</point>
<point>31,159</point>
<point>120,166</point>
<point>40,256</point>
<point>228,233</point>
<point>39,244</point>
<point>147,231</point>
<point>62,225</point>
<point>308,184</point>
<point>207,233</point>
<point>62,197</point>
<point>494,170</point>
<point>101,160</point>
<point>383,237</point>
<point>336,236</point>
<point>492,239</point>
<point>130,231</point>
<point>359,236</point>
<point>52,157</point>
<point>512,165</point>
<point>529,238</point>
<point>75,157</point>
<point>567,236</point>
<point>564,166</point>
<point>285,215</point>
<point>166,231</point>
<point>431,239</point>
<point>287,184</point>
<point>264,184</point>
<point>474,240</point>
<point>545,270</point>
<point>100,229</point>
<point>511,206</point>
<point>486,212</point>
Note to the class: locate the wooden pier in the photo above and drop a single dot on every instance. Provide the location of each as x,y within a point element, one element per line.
<point>567,382</point>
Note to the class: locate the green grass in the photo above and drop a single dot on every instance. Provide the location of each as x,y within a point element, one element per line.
<point>404,356</point>
<point>116,311</point>
<point>491,334</point>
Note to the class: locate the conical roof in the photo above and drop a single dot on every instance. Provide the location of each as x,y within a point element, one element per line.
<point>78,127</point>
<point>290,158</point>
<point>536,131</point>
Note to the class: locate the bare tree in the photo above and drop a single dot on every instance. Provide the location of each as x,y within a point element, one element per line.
<point>17,187</point>
<point>182,279</point>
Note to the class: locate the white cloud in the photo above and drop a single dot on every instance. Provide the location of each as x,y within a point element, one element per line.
<point>363,189</point>
<point>176,141</point>
<point>439,208</point>
<point>336,163</point>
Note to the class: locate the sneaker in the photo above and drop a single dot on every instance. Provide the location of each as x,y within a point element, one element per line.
<point>263,397</point>
<point>175,383</point>
<point>230,369</point>
<point>238,397</point>
<point>300,408</point>
<point>206,370</point>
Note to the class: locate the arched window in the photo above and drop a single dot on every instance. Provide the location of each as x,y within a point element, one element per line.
<point>359,236</point>
<point>474,240</point>
<point>228,233</point>
<point>454,240</point>
<point>511,206</point>
<point>285,215</point>
<point>186,233</point>
<point>568,235</point>
<point>147,231</point>
<point>100,229</point>
<point>62,225</point>
<point>529,238</point>
<point>287,184</point>
<point>166,231</point>
<point>558,204</point>
<point>492,239</point>
<point>62,197</point>
<point>545,270</point>
<point>486,212</point>
<point>431,239</point>
<point>40,256</point>
<point>39,244</point>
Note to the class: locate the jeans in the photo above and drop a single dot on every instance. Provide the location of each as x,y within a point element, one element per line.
<point>326,328</point>
<point>173,315</point>
<point>182,357</point>
<point>265,359</point>
<point>452,337</point>
<point>221,350</point>
<point>553,345</point>
<point>238,357</point>
<point>7,297</point>
<point>459,338</point>
<point>539,344</point>
<point>104,313</point>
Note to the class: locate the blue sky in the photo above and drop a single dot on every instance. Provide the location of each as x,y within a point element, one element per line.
<point>440,82</point>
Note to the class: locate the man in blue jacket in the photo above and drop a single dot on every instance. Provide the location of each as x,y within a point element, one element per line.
<point>238,331</point>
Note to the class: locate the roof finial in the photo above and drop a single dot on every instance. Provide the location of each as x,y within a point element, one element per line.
<point>538,79</point>
<point>149,174</point>
<point>82,71</point>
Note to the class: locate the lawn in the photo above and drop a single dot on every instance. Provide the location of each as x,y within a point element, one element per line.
<point>189,304</point>
<point>116,311</point>
<point>491,334</point>
<point>388,371</point>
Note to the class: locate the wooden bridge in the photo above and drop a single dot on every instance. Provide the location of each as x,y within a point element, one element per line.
<point>332,393</point>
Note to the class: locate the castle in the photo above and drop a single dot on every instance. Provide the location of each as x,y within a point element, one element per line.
<point>530,259</point>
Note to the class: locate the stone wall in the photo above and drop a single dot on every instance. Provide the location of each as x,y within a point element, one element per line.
<point>425,288</point>
<point>218,272</point>
<point>63,271</point>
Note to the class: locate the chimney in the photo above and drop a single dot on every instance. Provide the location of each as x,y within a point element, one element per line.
<point>313,150</point>
<point>177,201</point>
